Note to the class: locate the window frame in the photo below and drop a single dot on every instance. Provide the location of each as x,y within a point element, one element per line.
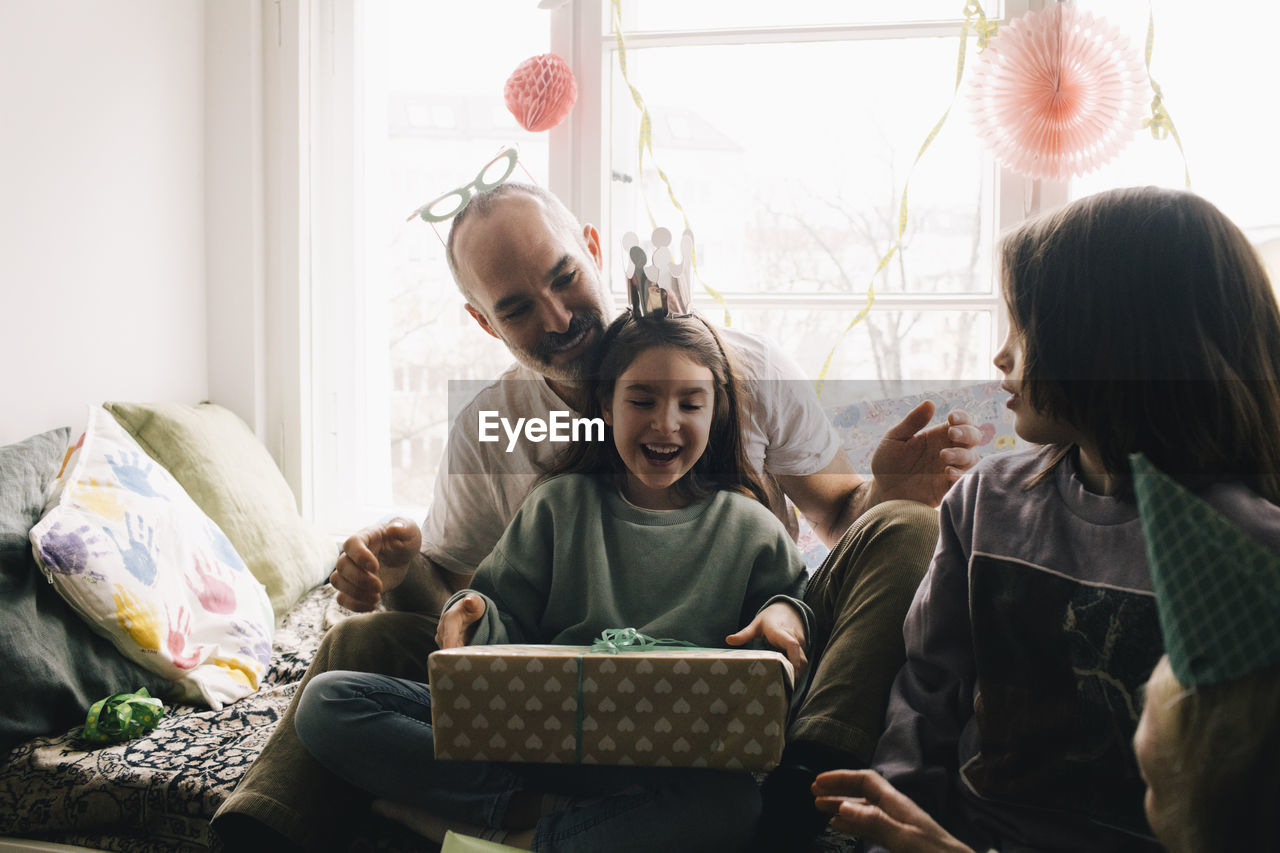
<point>579,34</point>
<point>304,39</point>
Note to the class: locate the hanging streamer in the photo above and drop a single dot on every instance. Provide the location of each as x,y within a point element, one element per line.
<point>1160,122</point>
<point>975,22</point>
<point>645,143</point>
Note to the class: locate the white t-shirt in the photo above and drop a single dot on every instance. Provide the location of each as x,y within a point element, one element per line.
<point>482,485</point>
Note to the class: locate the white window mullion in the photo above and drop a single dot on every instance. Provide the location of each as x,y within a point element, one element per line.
<point>286,133</point>
<point>855,301</point>
<point>577,155</point>
<point>1019,198</point>
<point>351,373</point>
<point>773,35</point>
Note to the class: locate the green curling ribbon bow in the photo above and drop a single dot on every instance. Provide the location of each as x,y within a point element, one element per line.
<point>614,640</point>
<point>122,717</point>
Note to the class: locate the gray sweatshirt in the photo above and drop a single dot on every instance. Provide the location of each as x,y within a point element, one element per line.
<point>1028,641</point>
<point>578,559</point>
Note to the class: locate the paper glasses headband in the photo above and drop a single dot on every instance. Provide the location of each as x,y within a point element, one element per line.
<point>657,286</point>
<point>495,172</point>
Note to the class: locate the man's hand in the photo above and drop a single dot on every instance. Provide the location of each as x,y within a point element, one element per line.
<point>458,623</point>
<point>921,466</point>
<point>375,560</point>
<point>782,628</point>
<point>865,805</point>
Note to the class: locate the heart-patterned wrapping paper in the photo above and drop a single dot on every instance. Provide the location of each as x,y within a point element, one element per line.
<point>714,708</point>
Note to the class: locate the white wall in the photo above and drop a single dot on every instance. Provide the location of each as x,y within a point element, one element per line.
<point>102,207</point>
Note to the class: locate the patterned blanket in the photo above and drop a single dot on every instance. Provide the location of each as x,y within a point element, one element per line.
<point>155,794</point>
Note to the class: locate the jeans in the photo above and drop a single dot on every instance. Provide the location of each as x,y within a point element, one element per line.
<point>374,731</point>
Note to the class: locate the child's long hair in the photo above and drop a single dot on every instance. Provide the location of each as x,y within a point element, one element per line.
<point>724,464</point>
<point>1149,324</point>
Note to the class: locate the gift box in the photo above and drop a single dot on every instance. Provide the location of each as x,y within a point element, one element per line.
<point>665,707</point>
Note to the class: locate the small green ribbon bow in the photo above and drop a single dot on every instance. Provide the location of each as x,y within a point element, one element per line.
<point>122,717</point>
<point>615,640</point>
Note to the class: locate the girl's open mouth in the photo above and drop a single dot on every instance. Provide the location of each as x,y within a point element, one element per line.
<point>660,454</point>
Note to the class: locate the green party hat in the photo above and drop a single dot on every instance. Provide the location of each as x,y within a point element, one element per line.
<point>1217,588</point>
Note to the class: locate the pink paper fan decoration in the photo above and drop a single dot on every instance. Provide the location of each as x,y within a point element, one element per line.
<point>540,92</point>
<point>1057,93</point>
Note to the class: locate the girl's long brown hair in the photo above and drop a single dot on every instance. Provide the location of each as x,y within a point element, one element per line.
<point>1149,324</point>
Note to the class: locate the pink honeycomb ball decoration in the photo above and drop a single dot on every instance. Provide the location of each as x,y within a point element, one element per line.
<point>540,92</point>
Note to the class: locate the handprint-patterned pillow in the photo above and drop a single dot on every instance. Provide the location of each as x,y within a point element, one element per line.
<point>221,464</point>
<point>146,568</point>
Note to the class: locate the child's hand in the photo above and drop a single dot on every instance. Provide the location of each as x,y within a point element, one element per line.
<point>458,624</point>
<point>782,628</point>
<point>865,805</point>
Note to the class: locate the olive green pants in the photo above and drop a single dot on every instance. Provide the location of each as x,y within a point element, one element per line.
<point>860,595</point>
<point>288,790</point>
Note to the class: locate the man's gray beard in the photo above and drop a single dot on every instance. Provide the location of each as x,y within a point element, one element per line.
<point>581,368</point>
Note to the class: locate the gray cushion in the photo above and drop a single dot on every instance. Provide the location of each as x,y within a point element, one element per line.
<point>54,667</point>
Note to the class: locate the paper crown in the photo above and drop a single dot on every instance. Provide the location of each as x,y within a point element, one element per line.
<point>1217,588</point>
<point>658,286</point>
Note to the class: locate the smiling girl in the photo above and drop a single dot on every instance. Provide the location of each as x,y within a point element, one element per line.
<point>663,527</point>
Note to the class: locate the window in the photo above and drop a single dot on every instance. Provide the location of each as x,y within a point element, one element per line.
<point>787,132</point>
<point>787,141</point>
<point>423,92</point>
<point>1210,85</point>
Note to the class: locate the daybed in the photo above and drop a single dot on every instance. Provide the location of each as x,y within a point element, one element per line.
<point>157,791</point>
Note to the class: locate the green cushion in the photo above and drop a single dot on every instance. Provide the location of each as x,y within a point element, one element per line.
<point>229,474</point>
<point>55,667</point>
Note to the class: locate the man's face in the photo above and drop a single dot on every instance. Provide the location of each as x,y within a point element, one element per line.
<point>534,286</point>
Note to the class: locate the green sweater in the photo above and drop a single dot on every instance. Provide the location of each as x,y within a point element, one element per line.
<point>578,559</point>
